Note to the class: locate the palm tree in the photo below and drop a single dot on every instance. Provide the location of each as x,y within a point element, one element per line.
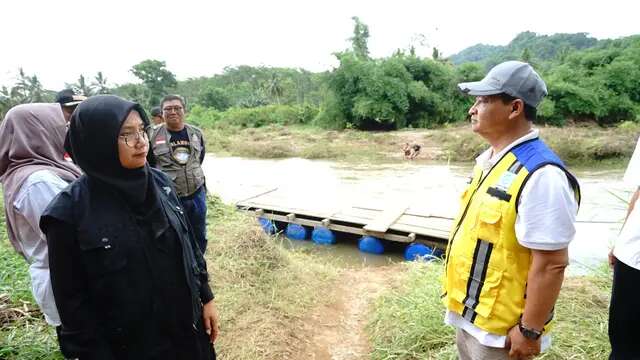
<point>100,84</point>
<point>274,87</point>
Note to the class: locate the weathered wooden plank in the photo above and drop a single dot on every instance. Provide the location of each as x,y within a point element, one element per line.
<point>382,222</point>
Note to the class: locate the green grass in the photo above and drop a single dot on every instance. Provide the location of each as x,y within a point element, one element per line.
<point>407,322</point>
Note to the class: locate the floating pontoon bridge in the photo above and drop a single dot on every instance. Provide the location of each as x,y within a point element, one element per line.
<point>390,221</point>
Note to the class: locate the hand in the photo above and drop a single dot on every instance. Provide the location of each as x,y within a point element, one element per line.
<point>612,259</point>
<point>520,347</point>
<point>210,320</point>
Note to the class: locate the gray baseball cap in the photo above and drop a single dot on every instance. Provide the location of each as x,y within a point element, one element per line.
<point>515,78</point>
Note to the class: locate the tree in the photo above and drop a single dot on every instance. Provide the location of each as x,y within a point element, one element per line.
<point>274,88</point>
<point>100,84</point>
<point>156,79</point>
<point>526,55</point>
<point>81,87</point>
<point>28,89</point>
<point>359,39</point>
<point>435,55</point>
<point>213,97</point>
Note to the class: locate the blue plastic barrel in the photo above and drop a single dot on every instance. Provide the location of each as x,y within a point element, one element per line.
<point>267,225</point>
<point>422,251</point>
<point>370,244</point>
<point>323,236</point>
<point>296,232</point>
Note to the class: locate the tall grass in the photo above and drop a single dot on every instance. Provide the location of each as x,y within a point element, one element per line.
<point>262,290</point>
<point>407,322</point>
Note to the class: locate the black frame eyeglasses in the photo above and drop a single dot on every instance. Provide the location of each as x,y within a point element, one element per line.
<point>130,139</point>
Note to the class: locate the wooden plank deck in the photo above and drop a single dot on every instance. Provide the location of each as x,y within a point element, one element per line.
<point>376,216</point>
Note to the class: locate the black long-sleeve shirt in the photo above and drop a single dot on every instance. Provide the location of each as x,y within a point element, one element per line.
<point>134,306</point>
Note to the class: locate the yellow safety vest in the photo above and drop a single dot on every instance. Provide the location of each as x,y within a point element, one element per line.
<point>486,268</point>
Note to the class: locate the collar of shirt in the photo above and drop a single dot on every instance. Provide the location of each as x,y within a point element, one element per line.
<point>487,159</point>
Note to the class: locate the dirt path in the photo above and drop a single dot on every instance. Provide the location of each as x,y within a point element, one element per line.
<point>335,331</point>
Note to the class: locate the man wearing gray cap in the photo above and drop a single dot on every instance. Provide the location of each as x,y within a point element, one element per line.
<point>508,248</point>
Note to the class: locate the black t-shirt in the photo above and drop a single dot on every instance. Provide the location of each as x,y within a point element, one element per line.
<point>180,146</point>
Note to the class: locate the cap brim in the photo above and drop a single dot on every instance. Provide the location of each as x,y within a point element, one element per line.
<point>479,88</point>
<point>71,103</point>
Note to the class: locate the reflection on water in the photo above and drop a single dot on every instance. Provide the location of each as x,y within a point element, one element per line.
<point>426,185</point>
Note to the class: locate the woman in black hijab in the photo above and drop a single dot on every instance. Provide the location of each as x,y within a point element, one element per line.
<point>128,279</point>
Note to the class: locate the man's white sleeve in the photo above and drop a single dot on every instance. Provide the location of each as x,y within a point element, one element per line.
<point>546,211</point>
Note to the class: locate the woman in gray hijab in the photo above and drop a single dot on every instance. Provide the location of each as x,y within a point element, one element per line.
<point>32,172</point>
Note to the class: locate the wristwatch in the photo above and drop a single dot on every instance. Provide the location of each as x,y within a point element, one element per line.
<point>529,333</point>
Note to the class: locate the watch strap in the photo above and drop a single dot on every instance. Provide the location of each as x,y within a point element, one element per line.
<point>529,333</point>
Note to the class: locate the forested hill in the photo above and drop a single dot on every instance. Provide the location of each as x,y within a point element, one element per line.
<point>526,44</point>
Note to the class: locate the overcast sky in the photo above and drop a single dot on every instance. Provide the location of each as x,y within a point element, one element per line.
<point>58,40</point>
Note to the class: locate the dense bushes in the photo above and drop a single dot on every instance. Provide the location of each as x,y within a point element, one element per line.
<point>252,117</point>
<point>391,93</point>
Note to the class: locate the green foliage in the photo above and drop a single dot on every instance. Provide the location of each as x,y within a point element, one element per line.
<point>527,46</point>
<point>214,97</point>
<point>395,92</point>
<point>267,115</point>
<point>588,80</point>
<point>133,92</point>
<point>247,87</point>
<point>203,117</point>
<point>156,79</point>
<point>360,39</point>
<point>28,89</point>
<point>598,84</point>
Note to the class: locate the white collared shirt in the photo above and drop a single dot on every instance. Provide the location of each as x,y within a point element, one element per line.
<point>627,244</point>
<point>545,221</point>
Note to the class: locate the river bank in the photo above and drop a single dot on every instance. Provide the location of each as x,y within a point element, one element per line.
<point>577,145</point>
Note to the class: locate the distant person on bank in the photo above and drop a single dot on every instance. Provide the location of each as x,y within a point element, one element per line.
<point>177,148</point>
<point>33,170</point>
<point>128,277</point>
<point>508,249</point>
<point>624,314</point>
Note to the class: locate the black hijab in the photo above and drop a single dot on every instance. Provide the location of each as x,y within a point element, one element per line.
<point>93,138</point>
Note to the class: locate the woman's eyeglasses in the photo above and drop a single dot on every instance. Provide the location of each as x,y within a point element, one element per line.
<point>131,139</point>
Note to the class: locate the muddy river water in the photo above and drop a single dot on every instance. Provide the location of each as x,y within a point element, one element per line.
<point>435,186</point>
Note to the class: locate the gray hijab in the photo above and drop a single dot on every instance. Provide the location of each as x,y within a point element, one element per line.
<point>32,139</point>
